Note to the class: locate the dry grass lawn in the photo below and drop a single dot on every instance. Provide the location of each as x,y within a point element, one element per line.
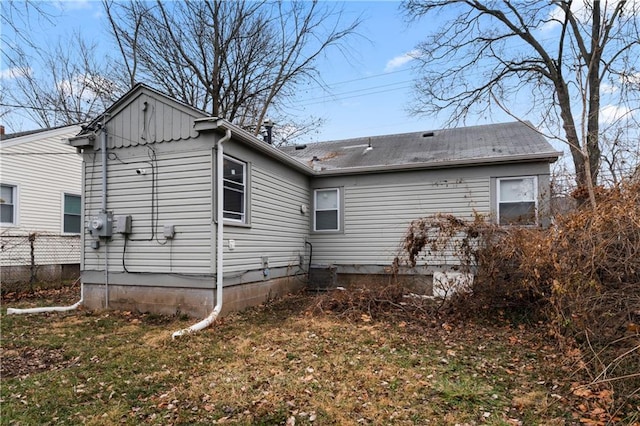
<point>277,364</point>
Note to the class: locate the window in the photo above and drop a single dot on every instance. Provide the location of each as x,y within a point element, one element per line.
<point>326,210</point>
<point>235,190</point>
<point>72,220</point>
<point>8,200</point>
<point>517,201</point>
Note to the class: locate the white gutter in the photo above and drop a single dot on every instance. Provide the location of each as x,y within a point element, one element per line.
<point>220,235</point>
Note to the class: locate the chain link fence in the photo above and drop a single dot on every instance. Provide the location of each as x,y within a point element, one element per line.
<point>30,261</point>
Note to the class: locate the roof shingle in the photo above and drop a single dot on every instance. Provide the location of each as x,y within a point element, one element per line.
<point>465,145</point>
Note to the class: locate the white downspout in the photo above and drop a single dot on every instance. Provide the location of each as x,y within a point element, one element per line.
<point>103,148</point>
<point>220,235</point>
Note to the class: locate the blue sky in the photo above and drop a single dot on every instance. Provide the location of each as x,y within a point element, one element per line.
<point>369,91</point>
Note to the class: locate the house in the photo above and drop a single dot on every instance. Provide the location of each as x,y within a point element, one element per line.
<point>152,211</point>
<point>40,205</point>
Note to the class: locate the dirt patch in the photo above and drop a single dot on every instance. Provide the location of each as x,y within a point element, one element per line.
<point>66,295</point>
<point>25,361</point>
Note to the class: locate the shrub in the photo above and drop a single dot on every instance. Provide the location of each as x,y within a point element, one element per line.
<point>582,275</point>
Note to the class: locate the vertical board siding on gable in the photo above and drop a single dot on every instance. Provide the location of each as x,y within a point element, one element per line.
<point>376,217</point>
<point>278,228</point>
<point>136,124</point>
<point>183,200</point>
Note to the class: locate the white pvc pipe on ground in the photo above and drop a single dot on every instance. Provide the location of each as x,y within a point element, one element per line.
<point>15,311</point>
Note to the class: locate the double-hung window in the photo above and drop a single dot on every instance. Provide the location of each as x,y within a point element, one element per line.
<point>517,200</point>
<point>72,220</point>
<point>326,210</point>
<point>8,200</point>
<point>235,190</point>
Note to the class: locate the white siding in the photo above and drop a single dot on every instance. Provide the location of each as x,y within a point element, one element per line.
<point>44,168</point>
<point>377,216</point>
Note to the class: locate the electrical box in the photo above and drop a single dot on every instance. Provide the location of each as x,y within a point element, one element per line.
<point>101,225</point>
<point>169,232</point>
<point>122,224</point>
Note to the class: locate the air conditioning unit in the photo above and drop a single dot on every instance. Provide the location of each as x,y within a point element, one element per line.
<point>322,277</point>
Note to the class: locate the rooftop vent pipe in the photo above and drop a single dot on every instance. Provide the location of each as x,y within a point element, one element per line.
<point>268,125</point>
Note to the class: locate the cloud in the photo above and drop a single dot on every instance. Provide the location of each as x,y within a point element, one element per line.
<point>612,113</point>
<point>556,16</point>
<point>401,60</point>
<point>15,72</point>
<point>580,11</point>
<point>67,5</point>
<point>608,88</point>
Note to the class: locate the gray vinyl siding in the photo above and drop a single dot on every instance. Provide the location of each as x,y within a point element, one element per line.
<point>376,217</point>
<point>183,199</point>
<point>161,120</point>
<point>278,228</point>
<point>378,209</point>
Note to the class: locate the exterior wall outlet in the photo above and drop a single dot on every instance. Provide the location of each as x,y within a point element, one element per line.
<point>232,244</point>
<point>169,232</point>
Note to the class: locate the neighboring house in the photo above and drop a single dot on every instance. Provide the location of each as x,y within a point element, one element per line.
<point>40,205</point>
<point>347,202</point>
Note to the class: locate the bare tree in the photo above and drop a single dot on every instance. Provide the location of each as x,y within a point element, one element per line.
<point>548,59</point>
<point>65,85</point>
<point>621,154</point>
<point>239,60</point>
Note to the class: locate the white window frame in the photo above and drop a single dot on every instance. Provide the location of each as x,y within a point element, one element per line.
<point>245,193</point>
<point>534,199</point>
<point>15,196</point>
<point>316,210</point>
<point>64,213</point>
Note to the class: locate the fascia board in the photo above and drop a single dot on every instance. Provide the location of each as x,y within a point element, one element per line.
<point>62,133</point>
<point>523,158</point>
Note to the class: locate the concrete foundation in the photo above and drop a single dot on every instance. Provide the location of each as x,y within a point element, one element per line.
<point>419,284</point>
<point>20,276</point>
<point>194,302</point>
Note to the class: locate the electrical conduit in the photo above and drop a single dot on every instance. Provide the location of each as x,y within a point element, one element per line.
<point>220,235</point>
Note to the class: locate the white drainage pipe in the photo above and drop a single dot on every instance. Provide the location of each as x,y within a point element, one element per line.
<point>220,235</point>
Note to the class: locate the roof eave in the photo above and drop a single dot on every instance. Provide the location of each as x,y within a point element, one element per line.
<point>214,123</point>
<point>521,158</point>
